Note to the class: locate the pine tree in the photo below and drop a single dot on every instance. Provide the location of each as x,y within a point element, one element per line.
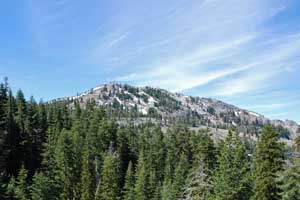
<point>290,180</point>
<point>88,175</point>
<point>128,191</point>
<point>42,121</point>
<point>108,187</point>
<point>124,154</point>
<point>41,131</point>
<point>177,143</point>
<point>3,100</point>
<point>180,176</point>
<point>268,162</point>
<point>78,142</point>
<point>133,140</point>
<point>21,114</point>
<point>65,160</point>
<point>167,183</point>
<point>95,141</point>
<point>33,140</point>
<point>157,158</point>
<point>14,158</point>
<point>199,184</point>
<point>76,152</point>
<point>142,179</point>
<point>42,187</point>
<point>21,120</point>
<point>204,151</point>
<point>290,177</point>
<point>4,140</point>
<point>232,178</point>
<point>296,143</point>
<point>107,134</point>
<point>21,190</point>
<point>10,189</point>
<point>50,151</point>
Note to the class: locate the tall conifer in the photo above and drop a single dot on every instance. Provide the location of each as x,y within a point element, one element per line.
<point>268,163</point>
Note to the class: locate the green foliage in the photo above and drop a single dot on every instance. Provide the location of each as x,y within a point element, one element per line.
<point>268,162</point>
<point>180,176</point>
<point>199,184</point>
<point>42,187</point>
<point>107,134</point>
<point>108,187</point>
<point>4,148</point>
<point>166,102</point>
<point>283,132</point>
<point>142,179</point>
<point>128,191</point>
<point>21,190</point>
<point>232,178</point>
<point>290,177</point>
<point>124,96</point>
<point>88,174</point>
<point>10,189</point>
<point>290,180</point>
<point>211,110</point>
<point>125,155</point>
<point>67,172</point>
<point>204,150</point>
<point>71,151</point>
<point>296,144</point>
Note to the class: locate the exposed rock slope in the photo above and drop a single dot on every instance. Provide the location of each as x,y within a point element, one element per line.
<point>168,107</point>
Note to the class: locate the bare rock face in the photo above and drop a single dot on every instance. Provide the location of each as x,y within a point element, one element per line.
<point>166,106</point>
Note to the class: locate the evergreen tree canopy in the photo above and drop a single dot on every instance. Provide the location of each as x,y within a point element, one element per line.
<point>108,187</point>
<point>74,149</point>
<point>232,178</point>
<point>268,162</point>
<point>290,180</point>
<point>128,191</point>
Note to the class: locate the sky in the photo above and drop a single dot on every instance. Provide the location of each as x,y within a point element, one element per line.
<point>245,53</point>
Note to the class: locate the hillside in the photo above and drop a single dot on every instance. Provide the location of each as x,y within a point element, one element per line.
<point>162,106</point>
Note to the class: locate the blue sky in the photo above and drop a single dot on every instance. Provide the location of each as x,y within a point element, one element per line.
<point>246,52</point>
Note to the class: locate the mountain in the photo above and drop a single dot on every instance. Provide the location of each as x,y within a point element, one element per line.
<point>161,106</point>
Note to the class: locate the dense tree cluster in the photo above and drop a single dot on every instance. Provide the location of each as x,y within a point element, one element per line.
<point>51,151</point>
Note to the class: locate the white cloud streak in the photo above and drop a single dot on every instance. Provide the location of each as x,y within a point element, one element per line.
<point>219,41</point>
<point>230,47</point>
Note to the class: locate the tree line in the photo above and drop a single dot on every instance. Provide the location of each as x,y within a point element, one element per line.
<point>51,151</point>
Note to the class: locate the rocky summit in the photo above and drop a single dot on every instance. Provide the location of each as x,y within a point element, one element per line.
<point>164,107</point>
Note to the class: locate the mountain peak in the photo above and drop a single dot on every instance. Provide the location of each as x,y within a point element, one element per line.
<point>167,107</point>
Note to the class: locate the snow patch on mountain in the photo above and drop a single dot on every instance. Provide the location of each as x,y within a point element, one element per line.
<point>254,114</point>
<point>169,106</point>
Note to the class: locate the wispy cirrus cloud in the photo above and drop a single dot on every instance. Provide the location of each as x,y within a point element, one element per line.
<point>233,54</point>
<point>118,39</point>
<point>228,50</point>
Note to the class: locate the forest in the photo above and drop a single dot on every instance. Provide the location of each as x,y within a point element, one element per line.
<point>51,151</point>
